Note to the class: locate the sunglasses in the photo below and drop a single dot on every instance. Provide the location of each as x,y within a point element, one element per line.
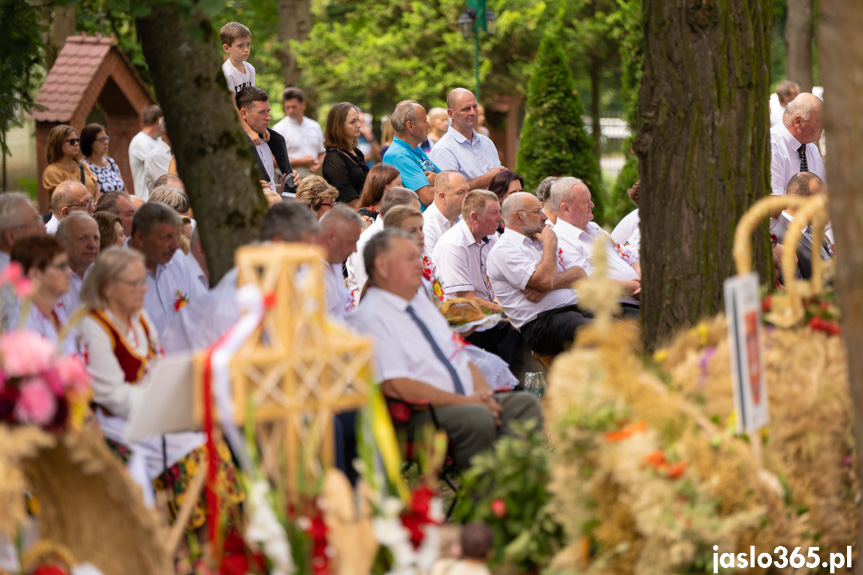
<point>73,141</point>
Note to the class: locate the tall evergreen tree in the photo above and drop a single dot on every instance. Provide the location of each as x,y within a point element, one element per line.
<point>553,140</point>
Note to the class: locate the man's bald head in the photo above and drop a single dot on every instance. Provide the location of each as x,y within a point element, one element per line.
<point>463,110</point>
<point>804,185</point>
<point>802,118</point>
<point>450,188</point>
<point>70,196</point>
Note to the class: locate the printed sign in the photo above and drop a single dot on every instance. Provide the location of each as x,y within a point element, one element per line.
<point>743,309</point>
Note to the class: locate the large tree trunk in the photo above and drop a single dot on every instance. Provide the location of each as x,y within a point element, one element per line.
<point>841,57</point>
<point>62,26</point>
<point>295,23</point>
<point>798,43</point>
<point>213,155</point>
<point>703,149</point>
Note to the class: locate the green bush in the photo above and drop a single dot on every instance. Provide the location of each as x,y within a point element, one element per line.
<point>553,140</point>
<point>507,489</point>
<point>619,203</point>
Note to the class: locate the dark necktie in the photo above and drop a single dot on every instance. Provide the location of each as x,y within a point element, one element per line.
<point>801,151</point>
<point>459,388</point>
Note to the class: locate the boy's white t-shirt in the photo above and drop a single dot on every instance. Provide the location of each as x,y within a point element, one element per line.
<point>236,80</point>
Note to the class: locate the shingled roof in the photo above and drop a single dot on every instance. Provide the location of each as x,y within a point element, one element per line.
<point>74,82</point>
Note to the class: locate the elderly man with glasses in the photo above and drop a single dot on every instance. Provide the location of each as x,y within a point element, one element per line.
<point>69,197</point>
<point>529,280</point>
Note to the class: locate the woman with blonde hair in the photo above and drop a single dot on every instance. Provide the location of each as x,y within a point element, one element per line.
<point>121,346</point>
<point>381,178</point>
<point>344,165</point>
<point>64,161</point>
<point>315,192</point>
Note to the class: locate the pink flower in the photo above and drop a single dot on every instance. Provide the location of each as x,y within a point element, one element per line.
<point>24,287</point>
<point>36,404</point>
<point>498,507</point>
<point>25,353</point>
<point>13,273</point>
<point>72,372</point>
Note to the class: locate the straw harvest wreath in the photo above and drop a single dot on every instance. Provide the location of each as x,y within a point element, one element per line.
<point>648,474</point>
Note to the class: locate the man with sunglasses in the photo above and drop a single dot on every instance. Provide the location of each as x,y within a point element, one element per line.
<point>529,281</point>
<point>69,197</point>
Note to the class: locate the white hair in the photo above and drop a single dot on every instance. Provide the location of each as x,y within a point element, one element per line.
<point>561,191</point>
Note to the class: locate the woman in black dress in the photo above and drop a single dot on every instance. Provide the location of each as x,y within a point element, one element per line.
<point>344,165</point>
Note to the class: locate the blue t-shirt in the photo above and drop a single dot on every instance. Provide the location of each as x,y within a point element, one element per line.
<point>412,163</point>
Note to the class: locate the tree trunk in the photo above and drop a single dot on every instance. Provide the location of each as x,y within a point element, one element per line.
<point>841,56</point>
<point>798,43</point>
<point>213,155</point>
<point>295,23</point>
<point>595,87</point>
<point>703,149</point>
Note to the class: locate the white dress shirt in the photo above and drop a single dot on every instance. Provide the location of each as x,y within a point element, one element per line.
<point>266,155</point>
<point>511,263</point>
<point>169,290</point>
<point>401,350</point>
<point>339,302</point>
<point>199,324</point>
<point>461,262</point>
<point>434,226</point>
<point>37,321</point>
<point>471,159</point>
<point>575,248</point>
<point>357,276</point>
<point>70,301</point>
<point>785,161</point>
<point>301,139</point>
<point>51,226</point>
<point>139,148</point>
<point>155,166</point>
<point>626,227</point>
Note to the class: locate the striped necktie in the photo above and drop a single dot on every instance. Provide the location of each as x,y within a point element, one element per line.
<point>801,151</point>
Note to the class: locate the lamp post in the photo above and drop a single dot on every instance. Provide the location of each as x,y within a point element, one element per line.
<point>473,20</point>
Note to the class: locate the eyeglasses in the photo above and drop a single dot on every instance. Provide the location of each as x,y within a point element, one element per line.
<point>73,141</point>
<point>537,212</point>
<point>88,204</point>
<point>61,266</point>
<point>106,139</point>
<point>134,283</point>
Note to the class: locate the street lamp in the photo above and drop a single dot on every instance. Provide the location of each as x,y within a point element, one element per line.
<point>475,19</point>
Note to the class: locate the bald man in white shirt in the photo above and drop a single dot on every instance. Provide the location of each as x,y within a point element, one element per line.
<point>417,358</point>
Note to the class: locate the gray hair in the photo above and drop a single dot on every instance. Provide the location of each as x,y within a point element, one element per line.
<point>396,196</point>
<point>288,221</point>
<point>561,191</point>
<point>107,267</point>
<point>150,215</point>
<point>511,206</point>
<point>10,203</point>
<point>340,213</point>
<point>801,106</point>
<point>380,244</point>
<point>404,113</point>
<point>171,196</point>
<point>62,195</point>
<point>110,202</point>
<point>63,229</point>
<point>436,111</point>
<point>543,190</point>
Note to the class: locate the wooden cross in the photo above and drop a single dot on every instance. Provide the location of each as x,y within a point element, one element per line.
<point>298,369</point>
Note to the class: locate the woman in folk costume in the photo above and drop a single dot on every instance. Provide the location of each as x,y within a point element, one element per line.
<point>119,346</point>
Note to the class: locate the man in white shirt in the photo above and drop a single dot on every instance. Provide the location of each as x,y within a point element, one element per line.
<point>340,230</point>
<point>802,185</point>
<point>417,358</point>
<point>78,233</point>
<point>18,219</point>
<point>357,276</point>
<point>450,188</point>
<point>576,237</point>
<point>786,91</point>
<point>460,256</point>
<point>462,149</point>
<point>141,146</point>
<point>156,164</point>
<point>170,284</point>
<point>526,276</point>
<point>304,137</point>
<point>792,144</point>
<point>69,197</point>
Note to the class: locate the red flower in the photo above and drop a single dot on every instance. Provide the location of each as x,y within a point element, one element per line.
<point>416,517</point>
<point>50,570</point>
<point>766,303</point>
<point>498,507</point>
<point>399,412</point>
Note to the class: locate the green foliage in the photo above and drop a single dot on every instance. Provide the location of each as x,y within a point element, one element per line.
<point>375,54</point>
<point>513,478</point>
<point>619,203</point>
<point>114,18</point>
<point>630,37</point>
<point>553,140</point>
<point>21,61</point>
